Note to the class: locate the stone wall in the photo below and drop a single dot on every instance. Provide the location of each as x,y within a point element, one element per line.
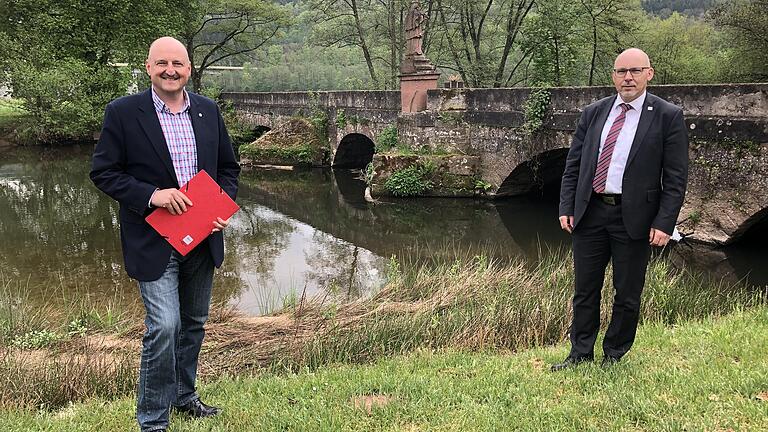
<point>363,112</point>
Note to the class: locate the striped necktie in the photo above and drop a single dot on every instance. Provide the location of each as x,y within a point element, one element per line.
<point>601,173</point>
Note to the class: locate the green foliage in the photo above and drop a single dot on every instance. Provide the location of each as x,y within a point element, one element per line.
<point>746,23</point>
<point>36,339</point>
<point>341,119</point>
<point>302,154</point>
<point>288,67</point>
<point>318,118</point>
<point>56,55</point>
<point>228,30</point>
<point>665,8</point>
<point>411,181</point>
<point>684,50</point>
<point>482,186</point>
<point>42,32</point>
<point>11,113</point>
<point>535,110</point>
<point>387,139</point>
<point>291,300</point>
<point>695,217</point>
<point>369,173</point>
<point>65,102</point>
<point>77,327</point>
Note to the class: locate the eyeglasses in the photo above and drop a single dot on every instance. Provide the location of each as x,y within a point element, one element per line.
<point>635,71</point>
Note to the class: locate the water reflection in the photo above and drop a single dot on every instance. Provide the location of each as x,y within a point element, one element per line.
<point>298,232</point>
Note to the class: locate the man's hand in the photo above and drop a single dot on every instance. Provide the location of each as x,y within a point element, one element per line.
<point>658,237</point>
<point>172,200</point>
<point>220,224</point>
<point>566,223</point>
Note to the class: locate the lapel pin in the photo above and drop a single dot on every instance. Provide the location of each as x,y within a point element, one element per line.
<point>650,108</point>
<point>201,114</point>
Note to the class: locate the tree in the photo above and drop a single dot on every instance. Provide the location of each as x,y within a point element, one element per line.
<point>480,38</point>
<point>683,50</point>
<point>606,21</point>
<point>554,36</point>
<point>215,31</point>
<point>343,23</point>
<point>747,21</point>
<point>58,55</point>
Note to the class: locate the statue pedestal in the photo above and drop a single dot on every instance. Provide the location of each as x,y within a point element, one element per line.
<point>413,90</point>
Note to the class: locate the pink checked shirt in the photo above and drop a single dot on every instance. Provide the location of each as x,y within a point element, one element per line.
<point>179,136</point>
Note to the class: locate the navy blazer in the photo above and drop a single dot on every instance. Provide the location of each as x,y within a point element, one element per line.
<point>131,160</point>
<point>653,186</point>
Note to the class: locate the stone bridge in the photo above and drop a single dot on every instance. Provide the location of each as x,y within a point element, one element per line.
<point>483,144</point>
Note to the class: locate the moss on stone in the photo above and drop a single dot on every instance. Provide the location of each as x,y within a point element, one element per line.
<point>294,142</point>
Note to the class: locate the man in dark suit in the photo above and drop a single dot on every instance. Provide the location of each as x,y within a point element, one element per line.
<point>621,193</point>
<point>151,144</point>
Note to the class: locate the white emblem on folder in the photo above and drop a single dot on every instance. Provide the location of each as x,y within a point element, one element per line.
<point>187,240</point>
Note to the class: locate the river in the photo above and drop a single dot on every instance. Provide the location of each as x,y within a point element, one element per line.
<point>304,232</point>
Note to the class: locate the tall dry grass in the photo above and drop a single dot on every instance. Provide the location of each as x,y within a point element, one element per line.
<point>467,303</point>
<point>471,302</point>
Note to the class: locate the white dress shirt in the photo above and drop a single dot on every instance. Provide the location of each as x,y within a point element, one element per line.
<point>623,142</point>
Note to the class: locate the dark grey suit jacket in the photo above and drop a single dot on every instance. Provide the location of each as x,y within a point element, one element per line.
<point>653,187</point>
<point>132,159</point>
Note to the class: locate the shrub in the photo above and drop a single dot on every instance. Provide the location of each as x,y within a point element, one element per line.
<point>65,101</point>
<point>410,181</point>
<point>387,139</point>
<point>535,109</point>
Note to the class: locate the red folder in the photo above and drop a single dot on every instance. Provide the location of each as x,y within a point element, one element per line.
<point>187,230</point>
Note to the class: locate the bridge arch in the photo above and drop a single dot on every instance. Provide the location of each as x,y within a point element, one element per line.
<point>355,151</point>
<point>542,170</point>
<point>753,227</point>
<point>259,130</point>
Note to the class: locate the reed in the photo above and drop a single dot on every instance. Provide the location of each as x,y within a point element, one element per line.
<point>469,302</point>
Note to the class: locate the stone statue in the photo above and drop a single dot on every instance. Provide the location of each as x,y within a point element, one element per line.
<point>414,29</point>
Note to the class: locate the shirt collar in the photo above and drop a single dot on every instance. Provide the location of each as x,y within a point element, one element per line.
<point>160,105</point>
<point>636,104</point>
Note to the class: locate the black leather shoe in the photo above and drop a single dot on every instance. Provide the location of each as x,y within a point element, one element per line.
<point>570,362</point>
<point>609,361</point>
<point>196,408</point>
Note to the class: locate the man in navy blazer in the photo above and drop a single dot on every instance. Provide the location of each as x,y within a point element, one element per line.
<point>151,143</point>
<point>621,192</point>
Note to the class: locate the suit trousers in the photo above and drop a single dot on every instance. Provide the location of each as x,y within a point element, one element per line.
<point>176,309</point>
<point>601,237</point>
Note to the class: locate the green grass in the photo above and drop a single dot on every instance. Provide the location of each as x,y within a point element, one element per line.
<point>477,304</point>
<point>11,110</point>
<point>704,375</point>
<point>471,303</point>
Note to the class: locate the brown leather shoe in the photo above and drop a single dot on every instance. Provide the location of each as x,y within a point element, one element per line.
<point>196,408</point>
<point>570,362</point>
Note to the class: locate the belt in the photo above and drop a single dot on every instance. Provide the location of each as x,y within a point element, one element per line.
<point>610,199</point>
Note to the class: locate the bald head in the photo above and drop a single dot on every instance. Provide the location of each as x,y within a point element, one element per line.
<point>166,44</point>
<point>635,56</point>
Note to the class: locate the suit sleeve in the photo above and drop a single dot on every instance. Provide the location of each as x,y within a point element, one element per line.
<point>674,174</point>
<point>108,167</point>
<point>228,168</point>
<point>572,164</point>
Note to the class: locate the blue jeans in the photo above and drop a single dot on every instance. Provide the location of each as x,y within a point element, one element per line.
<point>176,309</point>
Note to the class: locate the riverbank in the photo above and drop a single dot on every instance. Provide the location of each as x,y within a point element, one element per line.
<point>698,375</point>
<point>472,304</point>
